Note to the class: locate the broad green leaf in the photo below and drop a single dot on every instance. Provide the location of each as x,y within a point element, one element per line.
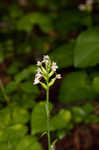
<point>86,52</point>
<point>63,132</point>
<point>88,108</point>
<point>15,11</point>
<point>29,88</point>
<point>38,120</point>
<point>5,118</point>
<point>4,146</point>
<point>61,120</point>
<point>13,132</point>
<point>29,143</point>
<point>16,131</point>
<point>20,115</point>
<point>25,74</point>
<point>14,67</point>
<point>11,87</point>
<point>24,100</point>
<point>92,119</point>
<point>3,135</point>
<point>76,87</point>
<point>27,22</point>
<point>9,145</point>
<point>72,20</point>
<point>78,114</point>
<point>27,100</point>
<point>13,114</point>
<point>64,54</point>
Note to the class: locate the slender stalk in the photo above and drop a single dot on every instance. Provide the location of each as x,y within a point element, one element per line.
<point>48,118</point>
<point>46,70</point>
<point>3,92</point>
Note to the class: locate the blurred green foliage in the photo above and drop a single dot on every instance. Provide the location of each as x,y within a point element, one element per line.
<point>76,87</point>
<point>86,50</point>
<point>71,38</point>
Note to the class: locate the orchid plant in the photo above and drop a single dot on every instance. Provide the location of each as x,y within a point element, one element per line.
<point>46,76</point>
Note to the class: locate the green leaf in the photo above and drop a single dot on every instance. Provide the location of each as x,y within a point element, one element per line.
<point>38,120</point>
<point>61,120</point>
<point>15,11</point>
<point>76,87</point>
<point>5,118</point>
<point>13,114</point>
<point>27,100</point>
<point>16,131</point>
<point>29,143</point>
<point>29,88</point>
<point>86,51</point>
<point>14,67</point>
<point>25,74</point>
<point>78,114</point>
<point>64,54</point>
<point>88,108</point>
<point>72,20</point>
<point>4,146</point>
<point>27,22</point>
<point>92,119</point>
<point>20,115</point>
<point>13,132</point>
<point>8,145</point>
<point>11,87</point>
<point>3,136</point>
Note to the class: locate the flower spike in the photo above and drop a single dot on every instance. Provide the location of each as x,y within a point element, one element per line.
<point>46,69</point>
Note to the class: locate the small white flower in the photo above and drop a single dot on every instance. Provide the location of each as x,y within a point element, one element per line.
<point>89,2</point>
<point>45,59</point>
<point>39,63</point>
<point>36,81</point>
<point>82,7</point>
<point>39,70</point>
<point>58,76</point>
<point>38,76</point>
<point>54,66</point>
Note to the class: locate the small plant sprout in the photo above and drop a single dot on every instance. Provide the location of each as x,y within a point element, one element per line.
<point>46,76</point>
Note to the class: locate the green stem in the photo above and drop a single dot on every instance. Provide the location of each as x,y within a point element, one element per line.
<point>48,118</point>
<point>4,93</point>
